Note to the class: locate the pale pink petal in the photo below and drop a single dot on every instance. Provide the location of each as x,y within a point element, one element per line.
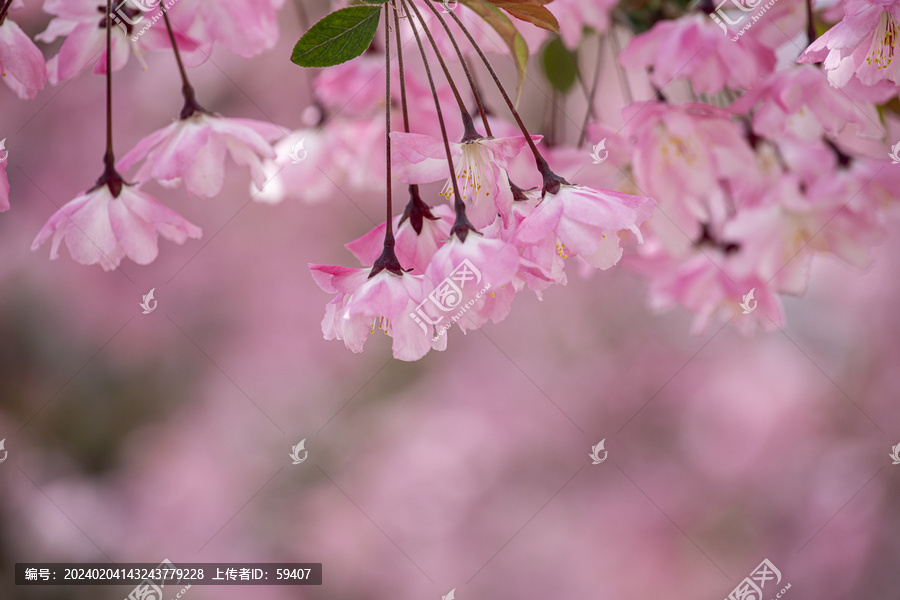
<point>21,62</point>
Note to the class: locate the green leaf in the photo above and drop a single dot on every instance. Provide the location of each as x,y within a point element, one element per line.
<point>502,24</point>
<point>531,11</point>
<point>337,38</point>
<point>560,65</point>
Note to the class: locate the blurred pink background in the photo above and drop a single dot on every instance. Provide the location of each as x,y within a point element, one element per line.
<point>134,438</point>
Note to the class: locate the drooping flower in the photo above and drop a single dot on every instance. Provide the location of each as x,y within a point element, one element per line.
<point>694,48</point>
<point>364,304</point>
<point>193,149</point>
<point>865,44</point>
<point>481,170</point>
<point>470,283</point>
<point>414,249</point>
<point>540,265</point>
<point>21,62</point>
<point>100,228</point>
<point>83,24</point>
<point>586,222</point>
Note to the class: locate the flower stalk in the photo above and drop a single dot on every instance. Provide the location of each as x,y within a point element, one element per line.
<point>388,260</point>
<point>191,106</point>
<point>552,181</point>
<point>416,209</point>
<point>462,226</point>
<point>110,177</point>
<point>468,125</point>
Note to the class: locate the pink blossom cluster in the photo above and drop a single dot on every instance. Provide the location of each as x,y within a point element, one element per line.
<point>757,155</point>
<point>772,164</point>
<point>760,166</point>
<point>458,269</point>
<point>117,218</point>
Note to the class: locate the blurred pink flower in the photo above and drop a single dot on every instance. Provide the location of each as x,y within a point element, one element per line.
<point>575,15</point>
<point>683,153</point>
<point>82,23</point>
<point>364,304</point>
<point>194,149</point>
<point>101,228</point>
<point>863,44</point>
<point>481,170</point>
<point>245,27</point>
<point>800,102</point>
<point>586,221</point>
<point>693,47</point>
<point>21,62</point>
<point>704,283</point>
<point>355,87</point>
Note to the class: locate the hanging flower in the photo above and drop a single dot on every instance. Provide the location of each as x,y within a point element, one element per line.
<point>193,149</point>
<point>100,228</point>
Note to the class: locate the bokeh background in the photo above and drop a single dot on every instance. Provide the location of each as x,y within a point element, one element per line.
<point>134,438</point>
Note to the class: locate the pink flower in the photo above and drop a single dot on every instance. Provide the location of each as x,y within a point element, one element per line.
<point>355,87</point>
<point>800,102</point>
<point>470,283</point>
<point>863,44</point>
<point>101,228</point>
<point>347,154</point>
<point>842,213</point>
<point>21,62</point>
<point>693,47</point>
<point>414,250</point>
<point>245,27</point>
<point>481,170</point>
<point>586,222</point>
<point>194,149</point>
<point>707,288</point>
<point>364,304</point>
<point>575,15</point>
<point>683,153</point>
<point>301,168</point>
<point>83,25</point>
